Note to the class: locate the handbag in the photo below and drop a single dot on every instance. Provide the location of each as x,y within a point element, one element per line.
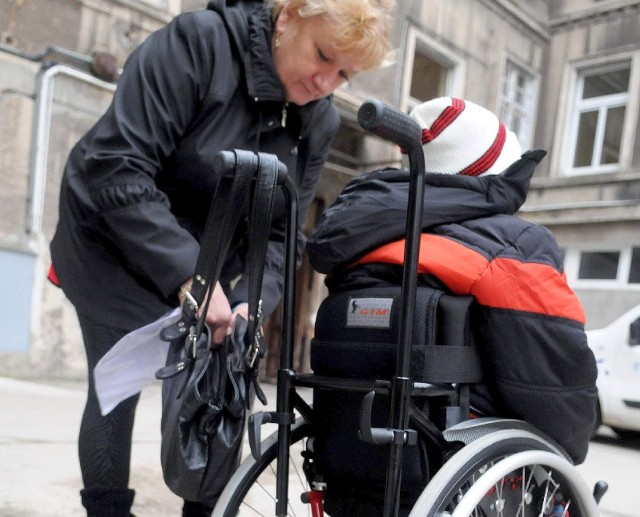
<point>208,390</point>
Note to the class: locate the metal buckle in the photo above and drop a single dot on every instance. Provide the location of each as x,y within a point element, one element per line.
<point>193,304</point>
<point>194,341</point>
<point>254,351</point>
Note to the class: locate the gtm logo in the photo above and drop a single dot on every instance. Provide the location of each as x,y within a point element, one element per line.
<point>373,311</point>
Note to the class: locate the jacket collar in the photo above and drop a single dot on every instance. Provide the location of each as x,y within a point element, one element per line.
<point>263,83</point>
<point>250,24</point>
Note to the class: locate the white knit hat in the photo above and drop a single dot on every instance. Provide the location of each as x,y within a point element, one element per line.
<point>460,137</point>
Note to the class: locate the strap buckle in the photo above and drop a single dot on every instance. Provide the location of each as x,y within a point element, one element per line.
<point>256,345</point>
<point>193,304</point>
<point>193,341</point>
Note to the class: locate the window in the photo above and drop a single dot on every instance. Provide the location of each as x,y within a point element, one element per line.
<point>346,149</point>
<point>355,149</point>
<point>634,269</point>
<point>429,71</point>
<point>604,268</point>
<point>602,95</point>
<point>598,265</point>
<point>428,79</point>
<point>518,102</point>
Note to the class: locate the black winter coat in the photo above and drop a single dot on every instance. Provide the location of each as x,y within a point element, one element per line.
<point>528,323</point>
<point>136,189</point>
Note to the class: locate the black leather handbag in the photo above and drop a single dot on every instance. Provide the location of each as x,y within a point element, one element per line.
<point>207,390</point>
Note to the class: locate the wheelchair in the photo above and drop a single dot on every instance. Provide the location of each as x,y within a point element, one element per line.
<point>474,466</point>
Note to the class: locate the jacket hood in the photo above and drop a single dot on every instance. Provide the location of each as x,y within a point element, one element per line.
<point>372,208</point>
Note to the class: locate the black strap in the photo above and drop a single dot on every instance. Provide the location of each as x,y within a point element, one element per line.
<point>450,363</point>
<point>228,205</point>
<point>247,180</point>
<point>259,223</point>
<point>227,208</point>
<point>264,194</point>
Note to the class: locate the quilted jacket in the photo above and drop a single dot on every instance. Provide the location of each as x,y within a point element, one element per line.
<point>528,323</point>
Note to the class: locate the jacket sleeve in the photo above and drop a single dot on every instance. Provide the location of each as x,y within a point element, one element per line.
<point>313,153</point>
<point>372,209</point>
<point>158,94</point>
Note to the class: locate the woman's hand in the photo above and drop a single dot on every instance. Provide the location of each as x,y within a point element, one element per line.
<point>242,309</point>
<point>219,317</point>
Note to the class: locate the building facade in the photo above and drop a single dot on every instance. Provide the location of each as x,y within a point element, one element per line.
<point>563,74</point>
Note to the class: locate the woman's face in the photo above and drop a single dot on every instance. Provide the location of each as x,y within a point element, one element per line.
<point>308,64</point>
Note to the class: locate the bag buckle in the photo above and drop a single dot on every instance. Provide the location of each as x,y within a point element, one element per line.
<point>193,304</point>
<point>258,337</point>
<point>193,341</point>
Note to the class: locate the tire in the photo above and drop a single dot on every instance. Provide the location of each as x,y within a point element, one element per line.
<point>251,490</point>
<point>506,473</point>
<point>626,434</point>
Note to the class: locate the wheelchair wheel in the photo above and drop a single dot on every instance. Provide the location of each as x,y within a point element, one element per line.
<point>251,491</point>
<point>507,473</point>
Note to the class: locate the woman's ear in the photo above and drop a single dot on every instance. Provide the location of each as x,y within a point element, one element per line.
<point>286,19</point>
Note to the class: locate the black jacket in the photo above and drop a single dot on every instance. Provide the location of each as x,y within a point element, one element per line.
<point>372,208</point>
<point>528,323</point>
<point>136,189</point>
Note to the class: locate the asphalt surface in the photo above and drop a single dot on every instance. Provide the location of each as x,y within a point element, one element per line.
<point>40,475</point>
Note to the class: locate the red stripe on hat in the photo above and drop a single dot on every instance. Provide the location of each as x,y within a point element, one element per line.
<point>485,162</point>
<point>443,121</point>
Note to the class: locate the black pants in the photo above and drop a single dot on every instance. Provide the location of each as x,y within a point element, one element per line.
<point>104,443</point>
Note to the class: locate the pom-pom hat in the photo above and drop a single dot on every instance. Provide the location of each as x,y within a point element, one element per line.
<point>460,137</point>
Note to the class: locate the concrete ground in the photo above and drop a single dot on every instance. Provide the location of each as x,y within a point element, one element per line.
<point>40,475</point>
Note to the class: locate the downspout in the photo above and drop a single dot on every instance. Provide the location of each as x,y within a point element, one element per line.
<point>42,126</point>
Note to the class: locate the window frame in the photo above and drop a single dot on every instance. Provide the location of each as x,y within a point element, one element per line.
<point>621,282</point>
<point>418,40</point>
<point>532,94</point>
<point>577,105</point>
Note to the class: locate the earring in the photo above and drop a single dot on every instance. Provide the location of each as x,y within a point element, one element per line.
<point>276,43</point>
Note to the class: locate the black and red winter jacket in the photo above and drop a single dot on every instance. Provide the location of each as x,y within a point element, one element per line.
<point>527,321</point>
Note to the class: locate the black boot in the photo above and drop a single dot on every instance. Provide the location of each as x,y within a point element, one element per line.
<point>194,509</point>
<point>107,502</point>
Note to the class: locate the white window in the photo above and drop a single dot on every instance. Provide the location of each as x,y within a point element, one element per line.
<point>429,71</point>
<point>517,109</point>
<point>598,120</point>
<point>604,268</point>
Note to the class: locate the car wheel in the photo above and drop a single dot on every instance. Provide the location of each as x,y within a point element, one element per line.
<point>626,434</point>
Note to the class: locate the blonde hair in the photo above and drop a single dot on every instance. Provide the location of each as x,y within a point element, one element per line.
<point>360,25</point>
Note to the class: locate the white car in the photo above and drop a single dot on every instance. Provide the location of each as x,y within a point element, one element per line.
<point>617,351</point>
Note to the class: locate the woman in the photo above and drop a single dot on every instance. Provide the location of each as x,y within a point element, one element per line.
<point>136,188</point>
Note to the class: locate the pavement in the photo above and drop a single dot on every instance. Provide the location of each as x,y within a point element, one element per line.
<point>40,474</point>
<point>39,469</point>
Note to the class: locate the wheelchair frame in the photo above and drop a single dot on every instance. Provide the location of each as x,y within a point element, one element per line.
<point>493,448</point>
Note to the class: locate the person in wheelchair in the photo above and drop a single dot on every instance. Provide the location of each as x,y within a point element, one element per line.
<point>525,319</point>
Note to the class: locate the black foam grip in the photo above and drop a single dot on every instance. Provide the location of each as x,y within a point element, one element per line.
<point>389,123</point>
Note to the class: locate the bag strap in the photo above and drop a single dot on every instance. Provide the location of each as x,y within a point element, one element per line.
<point>232,199</point>
<point>228,205</point>
<point>226,211</point>
<point>259,225</point>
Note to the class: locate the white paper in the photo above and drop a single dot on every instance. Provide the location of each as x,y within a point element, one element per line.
<point>132,363</point>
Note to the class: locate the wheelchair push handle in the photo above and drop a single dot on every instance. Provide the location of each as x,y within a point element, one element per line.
<point>391,124</point>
